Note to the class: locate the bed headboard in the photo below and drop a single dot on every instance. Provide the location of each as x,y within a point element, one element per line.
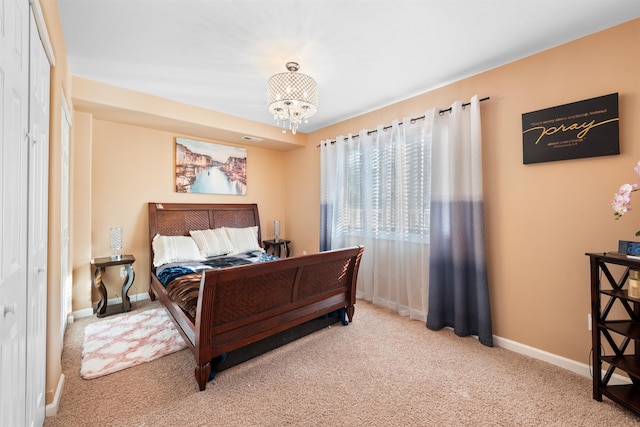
<point>177,219</point>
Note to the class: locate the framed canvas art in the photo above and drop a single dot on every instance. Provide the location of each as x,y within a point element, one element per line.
<point>580,129</point>
<point>205,167</point>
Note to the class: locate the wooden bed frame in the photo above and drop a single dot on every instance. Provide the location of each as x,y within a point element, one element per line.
<point>241,305</point>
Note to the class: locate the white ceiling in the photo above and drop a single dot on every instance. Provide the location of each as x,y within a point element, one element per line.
<point>364,54</point>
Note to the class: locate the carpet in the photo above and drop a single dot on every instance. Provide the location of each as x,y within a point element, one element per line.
<point>122,342</point>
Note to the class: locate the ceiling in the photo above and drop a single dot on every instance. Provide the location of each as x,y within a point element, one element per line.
<point>364,54</point>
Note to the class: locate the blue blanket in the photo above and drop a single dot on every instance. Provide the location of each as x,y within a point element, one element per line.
<point>168,272</point>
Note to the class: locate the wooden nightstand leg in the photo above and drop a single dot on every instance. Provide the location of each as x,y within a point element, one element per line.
<point>97,282</point>
<point>286,250</point>
<point>126,285</point>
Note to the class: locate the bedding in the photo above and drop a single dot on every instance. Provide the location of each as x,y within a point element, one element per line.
<point>171,270</point>
<point>212,242</point>
<point>180,261</point>
<point>182,279</point>
<point>243,239</point>
<point>169,249</point>
<point>205,245</point>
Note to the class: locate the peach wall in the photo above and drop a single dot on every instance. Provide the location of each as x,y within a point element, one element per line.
<point>60,86</point>
<point>133,165</point>
<point>80,226</point>
<point>540,219</point>
<point>303,198</point>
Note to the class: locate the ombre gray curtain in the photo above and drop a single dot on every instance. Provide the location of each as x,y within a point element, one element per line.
<point>458,287</point>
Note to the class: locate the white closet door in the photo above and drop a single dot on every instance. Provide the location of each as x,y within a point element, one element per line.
<point>39,83</point>
<point>14,90</point>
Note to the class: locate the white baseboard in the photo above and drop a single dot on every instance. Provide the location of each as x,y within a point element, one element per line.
<point>88,312</point>
<point>554,359</point>
<point>139,297</point>
<point>52,408</point>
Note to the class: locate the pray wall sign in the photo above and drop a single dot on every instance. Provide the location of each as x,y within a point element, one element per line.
<point>580,129</point>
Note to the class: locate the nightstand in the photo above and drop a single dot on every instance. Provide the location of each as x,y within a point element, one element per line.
<point>274,247</point>
<point>101,264</point>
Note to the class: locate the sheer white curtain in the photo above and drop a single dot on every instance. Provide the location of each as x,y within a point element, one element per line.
<point>375,193</point>
<point>411,193</point>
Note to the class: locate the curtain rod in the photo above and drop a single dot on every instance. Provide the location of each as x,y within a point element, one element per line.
<point>413,120</point>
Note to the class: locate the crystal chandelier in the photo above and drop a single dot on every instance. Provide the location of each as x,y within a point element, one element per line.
<point>292,97</point>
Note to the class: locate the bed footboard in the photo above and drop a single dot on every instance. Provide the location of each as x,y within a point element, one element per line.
<point>242,305</point>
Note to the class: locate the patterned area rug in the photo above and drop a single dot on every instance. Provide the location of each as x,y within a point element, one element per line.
<point>129,340</point>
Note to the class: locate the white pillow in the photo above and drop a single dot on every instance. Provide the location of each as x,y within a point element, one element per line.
<point>243,239</point>
<point>212,242</point>
<point>168,249</point>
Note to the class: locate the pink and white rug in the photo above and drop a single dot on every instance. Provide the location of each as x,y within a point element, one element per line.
<point>122,342</point>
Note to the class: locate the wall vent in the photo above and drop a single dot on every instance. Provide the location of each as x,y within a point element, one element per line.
<point>251,138</point>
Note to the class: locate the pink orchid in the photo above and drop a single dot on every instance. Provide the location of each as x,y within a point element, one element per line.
<point>622,199</point>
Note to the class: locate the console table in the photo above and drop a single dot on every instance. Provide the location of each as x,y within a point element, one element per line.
<point>275,246</point>
<point>616,318</point>
<point>101,264</point>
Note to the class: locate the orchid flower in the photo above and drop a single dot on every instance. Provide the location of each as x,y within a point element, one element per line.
<point>622,199</point>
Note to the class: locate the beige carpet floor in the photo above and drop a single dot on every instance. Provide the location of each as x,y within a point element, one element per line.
<point>381,370</point>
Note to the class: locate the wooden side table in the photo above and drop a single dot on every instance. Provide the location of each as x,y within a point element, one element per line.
<point>274,247</point>
<point>101,265</point>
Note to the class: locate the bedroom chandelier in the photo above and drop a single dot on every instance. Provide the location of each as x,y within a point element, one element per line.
<point>292,97</point>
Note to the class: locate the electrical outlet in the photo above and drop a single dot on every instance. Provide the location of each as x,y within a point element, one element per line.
<point>589,321</point>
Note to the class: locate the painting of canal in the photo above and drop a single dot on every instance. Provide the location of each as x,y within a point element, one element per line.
<point>205,167</point>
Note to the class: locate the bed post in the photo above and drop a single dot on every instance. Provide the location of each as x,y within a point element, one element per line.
<point>350,310</point>
<point>355,267</point>
<point>152,232</point>
<point>204,323</point>
<point>202,373</point>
